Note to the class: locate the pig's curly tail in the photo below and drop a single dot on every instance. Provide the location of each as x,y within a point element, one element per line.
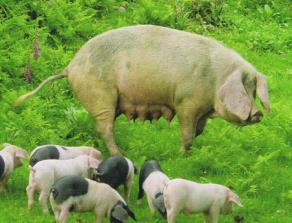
<point>24,97</point>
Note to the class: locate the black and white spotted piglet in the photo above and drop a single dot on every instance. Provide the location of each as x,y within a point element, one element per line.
<point>73,193</point>
<point>152,181</point>
<point>115,171</point>
<point>58,152</point>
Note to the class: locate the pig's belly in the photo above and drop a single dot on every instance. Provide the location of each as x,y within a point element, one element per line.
<point>145,94</point>
<point>82,206</point>
<point>144,106</point>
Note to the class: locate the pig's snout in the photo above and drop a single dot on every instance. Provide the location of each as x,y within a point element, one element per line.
<point>255,117</point>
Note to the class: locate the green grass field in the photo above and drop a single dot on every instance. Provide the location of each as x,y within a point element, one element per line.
<point>255,160</point>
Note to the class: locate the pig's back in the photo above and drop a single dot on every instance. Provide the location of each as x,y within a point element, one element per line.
<point>155,183</point>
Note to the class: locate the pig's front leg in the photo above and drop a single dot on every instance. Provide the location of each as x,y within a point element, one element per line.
<point>207,217</point>
<point>98,220</point>
<point>64,214</point>
<point>3,185</point>
<point>171,215</point>
<point>151,206</point>
<point>128,187</point>
<point>188,123</point>
<point>2,188</point>
<point>56,211</point>
<point>98,217</point>
<point>213,215</point>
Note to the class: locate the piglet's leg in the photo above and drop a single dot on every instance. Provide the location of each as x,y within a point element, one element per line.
<point>207,217</point>
<point>151,206</point>
<point>2,188</point>
<point>56,211</point>
<point>3,185</point>
<point>30,196</point>
<point>214,214</point>
<point>63,217</point>
<point>128,187</point>
<point>171,215</point>
<point>99,217</point>
<point>44,201</point>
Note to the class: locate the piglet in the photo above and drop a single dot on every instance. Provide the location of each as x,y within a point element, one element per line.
<point>74,193</point>
<point>191,197</point>
<point>152,181</point>
<point>45,173</point>
<point>115,171</point>
<point>61,152</point>
<point>10,158</point>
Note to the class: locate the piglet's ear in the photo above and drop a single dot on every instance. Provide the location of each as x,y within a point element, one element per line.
<point>233,197</point>
<point>234,97</point>
<point>136,169</point>
<point>93,163</point>
<point>131,213</point>
<point>21,154</point>
<point>4,145</point>
<point>119,213</point>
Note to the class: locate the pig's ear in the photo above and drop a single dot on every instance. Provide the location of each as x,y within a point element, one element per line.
<point>234,198</point>
<point>20,153</point>
<point>4,145</point>
<point>136,170</point>
<point>93,163</point>
<point>119,212</point>
<point>262,92</point>
<point>131,213</point>
<point>234,97</point>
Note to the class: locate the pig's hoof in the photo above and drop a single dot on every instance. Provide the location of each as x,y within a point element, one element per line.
<point>185,152</point>
<point>238,218</point>
<point>46,211</point>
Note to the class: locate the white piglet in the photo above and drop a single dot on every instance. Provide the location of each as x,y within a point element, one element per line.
<point>10,158</point>
<point>46,172</point>
<point>191,197</point>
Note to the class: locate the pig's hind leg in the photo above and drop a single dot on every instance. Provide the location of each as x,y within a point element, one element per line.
<point>30,189</point>
<point>45,186</point>
<point>100,100</point>
<point>99,96</point>
<point>44,196</point>
<point>30,196</point>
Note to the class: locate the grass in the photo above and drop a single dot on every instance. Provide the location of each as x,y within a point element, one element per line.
<point>255,160</point>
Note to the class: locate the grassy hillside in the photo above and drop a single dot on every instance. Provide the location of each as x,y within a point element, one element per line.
<point>38,39</point>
